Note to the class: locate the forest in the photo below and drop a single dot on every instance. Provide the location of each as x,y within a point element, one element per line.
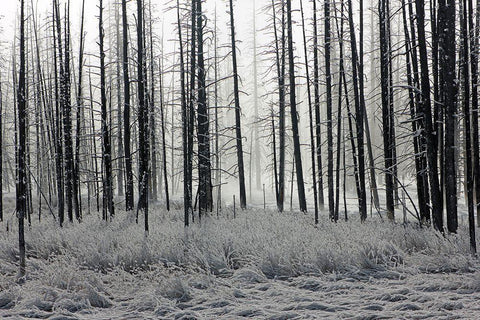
<point>191,159</point>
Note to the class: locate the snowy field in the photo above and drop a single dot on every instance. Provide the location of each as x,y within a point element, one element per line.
<point>261,265</point>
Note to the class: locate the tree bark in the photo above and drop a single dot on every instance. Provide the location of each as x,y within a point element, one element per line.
<point>294,114</point>
<point>129,193</point>
<point>108,207</point>
<point>22,139</point>
<point>238,127</point>
<point>424,108</point>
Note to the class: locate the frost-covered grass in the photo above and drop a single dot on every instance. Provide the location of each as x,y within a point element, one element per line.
<point>279,245</point>
<point>260,265</point>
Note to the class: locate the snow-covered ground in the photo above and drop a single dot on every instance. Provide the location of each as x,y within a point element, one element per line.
<point>262,265</point>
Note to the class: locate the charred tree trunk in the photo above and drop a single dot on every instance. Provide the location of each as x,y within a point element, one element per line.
<point>238,128</point>
<point>126,113</point>
<point>467,123</point>
<point>448,98</point>
<point>386,108</point>
<point>187,202</point>
<point>76,178</point>
<point>143,136</point>
<point>280,64</point>
<point>424,109</point>
<point>294,114</point>
<point>1,149</point>
<point>108,208</point>
<point>359,119</point>
<point>21,195</point>
<point>474,47</point>
<point>413,82</point>
<point>58,122</point>
<point>310,116</point>
<point>203,132</point>
<point>328,88</point>
<point>318,124</point>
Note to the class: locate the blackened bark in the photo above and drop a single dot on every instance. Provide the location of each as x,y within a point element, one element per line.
<point>413,82</point>
<point>143,136</point>
<point>294,114</point>
<point>58,122</point>
<point>108,207</point>
<point>126,113</point>
<point>424,109</point>
<point>187,203</point>
<point>474,35</point>
<point>22,144</point>
<point>238,128</point>
<point>1,150</point>
<point>467,123</point>
<point>386,110</point>
<point>310,117</point>
<point>203,133</point>
<point>359,117</point>
<point>328,89</point>
<point>76,177</point>
<point>448,97</point>
<point>318,122</point>
<point>280,64</point>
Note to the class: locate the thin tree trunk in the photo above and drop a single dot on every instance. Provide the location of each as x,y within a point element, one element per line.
<point>108,207</point>
<point>21,153</point>
<point>143,137</point>
<point>294,114</point>
<point>1,149</point>
<point>280,62</point>
<point>318,124</point>
<point>386,110</point>
<point>238,128</point>
<point>467,122</point>
<point>187,196</point>
<point>76,186</point>
<point>310,116</point>
<point>203,133</point>
<point>448,88</point>
<point>328,89</point>
<point>474,35</point>
<point>424,108</point>
<point>58,123</point>
<point>359,116</point>
<point>129,193</point>
<point>410,57</point>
